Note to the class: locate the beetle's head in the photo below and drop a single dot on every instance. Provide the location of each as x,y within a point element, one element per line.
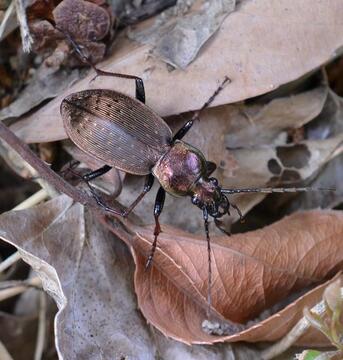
<point>206,193</point>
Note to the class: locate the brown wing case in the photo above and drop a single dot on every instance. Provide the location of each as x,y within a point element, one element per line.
<point>116,129</point>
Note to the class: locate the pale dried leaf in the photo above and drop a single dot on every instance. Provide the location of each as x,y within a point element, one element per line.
<point>329,123</point>
<point>272,120</point>
<point>88,272</point>
<point>47,83</point>
<point>332,295</point>
<point>177,39</point>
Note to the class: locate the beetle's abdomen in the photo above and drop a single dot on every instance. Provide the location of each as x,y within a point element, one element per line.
<point>180,168</point>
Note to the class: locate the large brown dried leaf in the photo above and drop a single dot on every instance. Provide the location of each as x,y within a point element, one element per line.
<point>235,51</point>
<point>251,272</point>
<point>88,272</point>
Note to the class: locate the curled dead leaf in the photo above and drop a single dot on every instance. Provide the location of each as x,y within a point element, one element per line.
<point>251,273</point>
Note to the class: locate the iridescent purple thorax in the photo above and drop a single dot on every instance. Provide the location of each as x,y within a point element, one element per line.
<point>180,168</point>
<point>183,171</point>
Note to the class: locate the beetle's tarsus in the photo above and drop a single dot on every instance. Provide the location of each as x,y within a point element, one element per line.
<point>241,217</point>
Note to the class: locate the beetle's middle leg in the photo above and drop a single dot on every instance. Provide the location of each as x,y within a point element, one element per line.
<point>149,181</point>
<point>185,128</point>
<point>159,202</point>
<point>140,92</point>
<point>96,173</point>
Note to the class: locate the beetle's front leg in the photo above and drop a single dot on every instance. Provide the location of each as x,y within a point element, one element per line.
<point>186,127</point>
<point>159,202</point>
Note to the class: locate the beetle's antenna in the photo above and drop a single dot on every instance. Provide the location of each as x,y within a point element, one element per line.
<point>274,190</point>
<point>209,283</point>
<point>196,115</point>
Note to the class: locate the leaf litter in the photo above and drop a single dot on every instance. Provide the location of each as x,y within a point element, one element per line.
<point>285,137</point>
<point>260,75</point>
<point>88,274</point>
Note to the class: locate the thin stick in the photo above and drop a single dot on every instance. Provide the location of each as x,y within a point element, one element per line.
<point>5,20</point>
<point>43,170</point>
<point>29,202</point>
<point>12,259</point>
<point>26,37</point>
<point>32,200</point>
<point>41,327</point>
<point>16,290</point>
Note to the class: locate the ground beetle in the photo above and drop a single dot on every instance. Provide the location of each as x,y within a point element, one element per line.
<point>123,132</point>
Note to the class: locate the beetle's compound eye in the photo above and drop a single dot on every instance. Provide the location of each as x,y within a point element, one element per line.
<point>195,200</point>
<point>214,181</point>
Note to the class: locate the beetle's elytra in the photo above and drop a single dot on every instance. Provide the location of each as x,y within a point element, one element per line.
<point>116,129</point>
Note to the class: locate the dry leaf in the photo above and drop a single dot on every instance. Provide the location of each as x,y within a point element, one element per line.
<point>329,123</point>
<point>83,20</point>
<point>88,272</point>
<point>47,83</point>
<point>177,38</point>
<point>251,272</point>
<point>271,121</point>
<point>332,296</point>
<point>232,53</point>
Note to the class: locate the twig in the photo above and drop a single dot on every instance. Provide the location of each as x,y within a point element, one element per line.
<point>4,354</point>
<point>5,21</point>
<point>9,261</point>
<point>298,330</point>
<point>32,200</point>
<point>44,171</point>
<point>41,327</point>
<point>26,37</point>
<point>16,290</point>
<point>29,202</point>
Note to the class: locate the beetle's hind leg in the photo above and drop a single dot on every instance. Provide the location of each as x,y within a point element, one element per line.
<point>241,217</point>
<point>159,202</point>
<point>140,91</point>
<point>93,175</point>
